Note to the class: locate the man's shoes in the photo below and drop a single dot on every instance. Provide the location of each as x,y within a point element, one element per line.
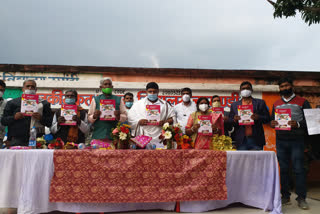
<point>285,201</point>
<point>302,204</point>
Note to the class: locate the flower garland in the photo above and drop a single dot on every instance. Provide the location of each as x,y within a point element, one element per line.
<point>221,143</point>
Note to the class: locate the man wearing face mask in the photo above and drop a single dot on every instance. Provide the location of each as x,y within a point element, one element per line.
<point>185,108</point>
<point>137,115</point>
<point>102,128</point>
<point>75,134</point>
<point>128,101</point>
<point>249,137</point>
<point>290,144</point>
<point>3,103</point>
<point>18,124</point>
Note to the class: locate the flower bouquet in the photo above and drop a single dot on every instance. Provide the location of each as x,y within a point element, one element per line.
<point>41,143</point>
<point>57,144</point>
<point>171,133</point>
<point>121,136</point>
<point>221,143</point>
<point>185,143</point>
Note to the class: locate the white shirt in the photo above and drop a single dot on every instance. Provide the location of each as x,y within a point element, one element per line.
<point>290,98</point>
<point>84,125</point>
<point>138,112</point>
<point>182,113</point>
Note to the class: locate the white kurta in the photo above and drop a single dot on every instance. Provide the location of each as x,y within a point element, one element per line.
<point>138,112</point>
<point>182,113</point>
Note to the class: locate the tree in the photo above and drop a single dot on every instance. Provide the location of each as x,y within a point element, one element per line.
<point>309,9</point>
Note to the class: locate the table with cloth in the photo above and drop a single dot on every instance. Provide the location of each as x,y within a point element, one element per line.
<point>200,179</point>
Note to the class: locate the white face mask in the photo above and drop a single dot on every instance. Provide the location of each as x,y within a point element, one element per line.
<point>186,98</point>
<point>28,91</point>
<point>246,93</point>
<point>203,107</point>
<point>1,94</point>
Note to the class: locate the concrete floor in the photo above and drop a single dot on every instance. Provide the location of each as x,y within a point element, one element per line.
<point>235,209</point>
<point>241,209</point>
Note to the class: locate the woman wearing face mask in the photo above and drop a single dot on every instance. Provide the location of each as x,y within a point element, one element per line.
<point>202,141</point>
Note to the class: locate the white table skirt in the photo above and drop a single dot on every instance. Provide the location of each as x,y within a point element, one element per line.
<point>252,179</point>
<point>25,175</point>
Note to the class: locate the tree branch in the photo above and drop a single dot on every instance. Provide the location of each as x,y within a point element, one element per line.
<point>308,9</point>
<point>312,9</point>
<point>271,2</point>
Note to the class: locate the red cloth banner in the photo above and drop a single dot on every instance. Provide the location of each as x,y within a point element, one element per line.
<point>124,176</point>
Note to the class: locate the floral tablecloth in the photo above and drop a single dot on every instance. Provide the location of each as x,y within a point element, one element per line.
<point>124,176</point>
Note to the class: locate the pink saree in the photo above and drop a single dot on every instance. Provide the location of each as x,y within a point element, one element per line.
<point>202,141</point>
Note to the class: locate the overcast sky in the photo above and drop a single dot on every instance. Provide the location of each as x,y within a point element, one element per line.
<point>228,34</point>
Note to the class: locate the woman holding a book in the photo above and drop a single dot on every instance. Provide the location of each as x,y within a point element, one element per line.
<point>204,124</point>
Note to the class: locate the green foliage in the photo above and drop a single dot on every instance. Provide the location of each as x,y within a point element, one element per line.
<point>309,9</point>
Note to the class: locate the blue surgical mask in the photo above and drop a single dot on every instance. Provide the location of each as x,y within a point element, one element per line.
<point>129,104</point>
<point>70,101</point>
<point>152,97</point>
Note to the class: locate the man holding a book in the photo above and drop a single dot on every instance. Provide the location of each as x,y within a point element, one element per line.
<point>290,124</point>
<point>70,123</point>
<point>105,111</point>
<point>248,116</point>
<point>23,113</point>
<point>149,114</point>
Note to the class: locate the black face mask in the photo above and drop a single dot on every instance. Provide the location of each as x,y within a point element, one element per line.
<point>286,92</point>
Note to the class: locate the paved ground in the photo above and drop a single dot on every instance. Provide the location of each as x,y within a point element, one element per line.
<point>239,209</point>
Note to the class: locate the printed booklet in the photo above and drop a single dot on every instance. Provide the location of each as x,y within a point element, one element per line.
<point>153,114</point>
<point>282,116</point>
<point>205,125</point>
<point>29,104</point>
<point>245,112</point>
<point>107,108</point>
<point>68,111</point>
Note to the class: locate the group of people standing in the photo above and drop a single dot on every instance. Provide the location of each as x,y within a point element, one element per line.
<point>289,144</point>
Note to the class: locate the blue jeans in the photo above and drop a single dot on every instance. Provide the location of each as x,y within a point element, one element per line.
<point>292,150</point>
<point>249,143</point>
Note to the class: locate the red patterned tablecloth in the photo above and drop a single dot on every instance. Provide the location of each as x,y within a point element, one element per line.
<point>124,176</point>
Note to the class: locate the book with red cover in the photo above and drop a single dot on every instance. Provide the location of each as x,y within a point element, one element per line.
<point>107,108</point>
<point>245,112</point>
<point>282,116</point>
<point>68,111</point>
<point>153,114</point>
<point>205,122</point>
<point>218,110</point>
<point>29,104</point>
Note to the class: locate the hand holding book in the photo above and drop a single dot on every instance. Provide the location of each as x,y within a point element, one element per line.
<point>77,119</point>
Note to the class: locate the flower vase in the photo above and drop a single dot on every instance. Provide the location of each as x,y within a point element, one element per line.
<point>122,144</point>
<point>169,144</point>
